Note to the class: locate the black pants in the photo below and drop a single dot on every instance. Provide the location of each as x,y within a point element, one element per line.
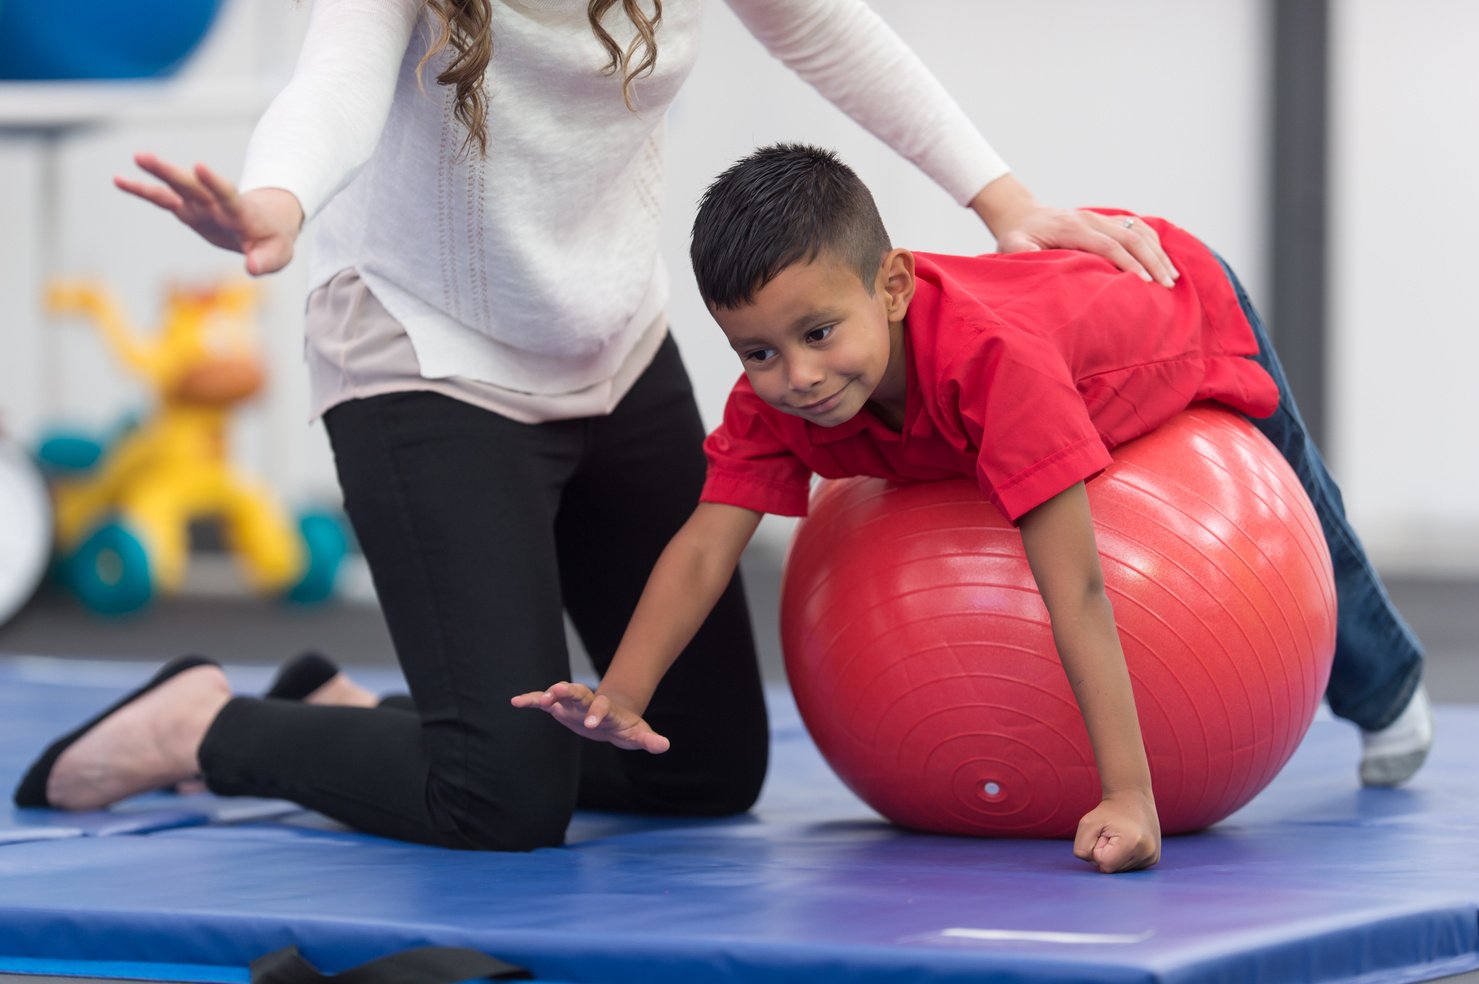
<point>479,531</point>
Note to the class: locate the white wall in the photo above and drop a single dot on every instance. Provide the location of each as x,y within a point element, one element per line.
<point>1405,206</point>
<point>1156,105</point>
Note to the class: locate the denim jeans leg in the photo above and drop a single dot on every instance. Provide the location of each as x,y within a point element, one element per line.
<point>1378,660</point>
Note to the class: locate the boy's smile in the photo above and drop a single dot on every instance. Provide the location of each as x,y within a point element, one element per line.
<point>816,344</point>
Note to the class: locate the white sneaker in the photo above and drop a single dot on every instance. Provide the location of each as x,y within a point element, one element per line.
<point>1392,755</point>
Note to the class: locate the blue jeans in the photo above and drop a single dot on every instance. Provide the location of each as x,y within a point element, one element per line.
<point>1378,660</point>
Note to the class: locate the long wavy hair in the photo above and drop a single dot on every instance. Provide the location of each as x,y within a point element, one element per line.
<point>465,26</point>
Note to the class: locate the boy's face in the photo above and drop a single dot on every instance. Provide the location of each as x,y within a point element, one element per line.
<point>815,343</point>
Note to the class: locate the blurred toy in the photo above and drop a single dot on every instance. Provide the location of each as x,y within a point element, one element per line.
<point>25,527</point>
<point>124,510</point>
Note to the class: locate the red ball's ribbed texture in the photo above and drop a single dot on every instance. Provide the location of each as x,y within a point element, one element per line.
<point>922,661</point>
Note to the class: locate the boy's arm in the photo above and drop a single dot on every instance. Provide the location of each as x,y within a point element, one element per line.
<point>692,572</point>
<point>1123,832</point>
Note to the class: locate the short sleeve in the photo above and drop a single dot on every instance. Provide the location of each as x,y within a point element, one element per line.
<point>1018,403</point>
<point>750,464</point>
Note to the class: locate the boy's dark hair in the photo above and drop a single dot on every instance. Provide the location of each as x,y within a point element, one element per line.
<point>784,204</point>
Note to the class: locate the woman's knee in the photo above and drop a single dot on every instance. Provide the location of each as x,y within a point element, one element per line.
<point>526,820</point>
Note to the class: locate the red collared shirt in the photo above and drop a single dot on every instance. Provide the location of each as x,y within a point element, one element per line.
<point>1023,371</point>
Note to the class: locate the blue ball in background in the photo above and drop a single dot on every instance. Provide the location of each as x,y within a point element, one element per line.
<point>100,39</point>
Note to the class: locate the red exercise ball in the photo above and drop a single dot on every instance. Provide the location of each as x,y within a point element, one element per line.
<point>921,658</point>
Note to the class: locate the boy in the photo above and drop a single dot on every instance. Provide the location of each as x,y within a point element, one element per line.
<point>1021,370</point>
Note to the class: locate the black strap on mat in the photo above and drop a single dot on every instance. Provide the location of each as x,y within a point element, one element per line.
<point>423,965</point>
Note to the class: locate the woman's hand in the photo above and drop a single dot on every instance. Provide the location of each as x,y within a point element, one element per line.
<point>262,224</point>
<point>1122,833</point>
<point>1020,224</point>
<point>594,716</point>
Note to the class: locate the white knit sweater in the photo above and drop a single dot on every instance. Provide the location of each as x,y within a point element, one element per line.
<point>536,268</point>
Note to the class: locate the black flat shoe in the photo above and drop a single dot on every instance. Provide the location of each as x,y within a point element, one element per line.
<point>32,788</point>
<point>301,676</point>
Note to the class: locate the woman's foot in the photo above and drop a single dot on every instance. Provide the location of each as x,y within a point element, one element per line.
<point>145,742</point>
<point>343,692</point>
<point>316,679</point>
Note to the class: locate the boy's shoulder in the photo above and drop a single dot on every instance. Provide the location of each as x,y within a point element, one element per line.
<point>954,304</point>
<point>969,313</point>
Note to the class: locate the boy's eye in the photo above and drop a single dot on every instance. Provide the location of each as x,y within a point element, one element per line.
<point>819,334</point>
<point>760,356</point>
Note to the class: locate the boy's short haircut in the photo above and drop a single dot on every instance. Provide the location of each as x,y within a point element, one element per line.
<point>783,204</point>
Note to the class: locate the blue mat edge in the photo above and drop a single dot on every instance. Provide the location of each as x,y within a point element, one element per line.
<point>125,970</point>
<point>1406,938</point>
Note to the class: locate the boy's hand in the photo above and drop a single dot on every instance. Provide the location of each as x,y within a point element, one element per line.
<point>1122,833</point>
<point>262,224</point>
<point>594,716</point>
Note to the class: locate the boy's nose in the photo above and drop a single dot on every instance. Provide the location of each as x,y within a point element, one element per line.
<point>806,375</point>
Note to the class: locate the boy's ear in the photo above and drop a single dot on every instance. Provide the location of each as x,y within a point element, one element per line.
<point>896,281</point>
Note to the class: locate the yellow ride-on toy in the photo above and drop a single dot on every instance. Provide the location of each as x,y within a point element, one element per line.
<point>124,508</point>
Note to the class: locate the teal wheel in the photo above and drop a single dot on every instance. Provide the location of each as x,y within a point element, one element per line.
<point>109,572</point>
<point>326,543</point>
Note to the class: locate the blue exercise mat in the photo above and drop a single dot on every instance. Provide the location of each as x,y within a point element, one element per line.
<point>1316,880</point>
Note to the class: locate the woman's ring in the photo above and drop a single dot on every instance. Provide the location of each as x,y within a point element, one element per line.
<point>1128,221</point>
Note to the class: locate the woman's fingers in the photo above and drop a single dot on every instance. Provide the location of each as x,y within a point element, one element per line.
<point>1124,240</point>
<point>179,179</point>
<point>1109,246</point>
<point>152,193</point>
<point>1138,244</point>
<point>222,192</point>
<point>210,209</point>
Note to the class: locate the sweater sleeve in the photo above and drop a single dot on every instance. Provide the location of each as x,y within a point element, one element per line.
<point>322,127</point>
<point>842,48</point>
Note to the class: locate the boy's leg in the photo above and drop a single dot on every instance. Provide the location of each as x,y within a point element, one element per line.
<point>640,476</point>
<point>454,508</point>
<point>1377,673</point>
